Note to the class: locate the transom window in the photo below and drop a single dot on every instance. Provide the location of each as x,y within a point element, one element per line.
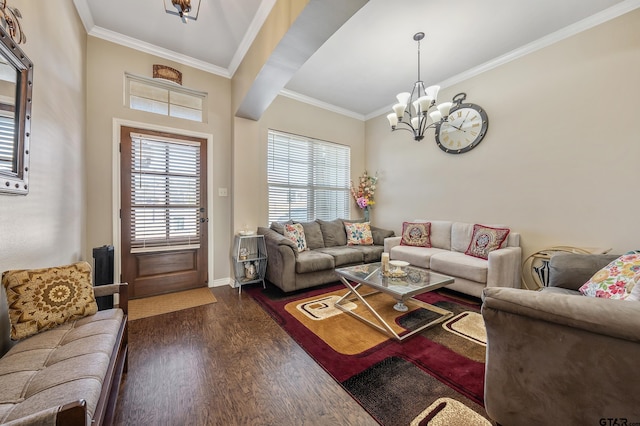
<point>307,178</point>
<point>165,98</point>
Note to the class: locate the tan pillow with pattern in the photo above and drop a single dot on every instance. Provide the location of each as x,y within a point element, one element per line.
<point>40,299</point>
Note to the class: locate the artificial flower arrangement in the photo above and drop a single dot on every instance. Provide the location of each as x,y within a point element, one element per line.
<point>363,194</point>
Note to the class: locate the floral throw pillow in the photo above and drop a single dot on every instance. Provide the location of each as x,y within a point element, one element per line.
<point>40,299</point>
<point>485,240</point>
<point>416,234</point>
<point>295,232</point>
<point>358,234</point>
<point>616,280</point>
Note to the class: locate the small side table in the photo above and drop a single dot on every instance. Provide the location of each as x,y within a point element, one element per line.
<point>535,268</point>
<point>249,260</point>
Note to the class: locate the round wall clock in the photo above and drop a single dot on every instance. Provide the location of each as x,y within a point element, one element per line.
<point>464,129</point>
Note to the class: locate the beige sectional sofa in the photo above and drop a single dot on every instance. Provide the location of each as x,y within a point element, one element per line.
<point>69,373</point>
<point>291,270</point>
<point>449,241</point>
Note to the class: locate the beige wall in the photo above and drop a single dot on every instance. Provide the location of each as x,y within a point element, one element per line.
<point>46,227</point>
<point>559,162</point>
<point>106,65</point>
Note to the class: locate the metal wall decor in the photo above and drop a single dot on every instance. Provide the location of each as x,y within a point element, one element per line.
<point>167,73</point>
<point>10,23</point>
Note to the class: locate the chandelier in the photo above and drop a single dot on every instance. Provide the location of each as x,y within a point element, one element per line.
<point>183,8</point>
<point>412,110</point>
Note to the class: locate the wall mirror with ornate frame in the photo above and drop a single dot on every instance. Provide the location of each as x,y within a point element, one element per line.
<point>16,83</point>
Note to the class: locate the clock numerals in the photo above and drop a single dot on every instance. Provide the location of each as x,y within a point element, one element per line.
<point>464,129</point>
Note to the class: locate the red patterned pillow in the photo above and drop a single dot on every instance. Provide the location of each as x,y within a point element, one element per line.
<point>486,239</point>
<point>416,234</point>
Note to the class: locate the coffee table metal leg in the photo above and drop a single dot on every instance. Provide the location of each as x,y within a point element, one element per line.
<point>385,327</point>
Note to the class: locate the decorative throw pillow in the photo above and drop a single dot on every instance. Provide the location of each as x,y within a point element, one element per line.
<point>40,299</point>
<point>295,232</point>
<point>634,295</point>
<point>616,280</point>
<point>485,240</point>
<point>416,234</point>
<point>358,234</point>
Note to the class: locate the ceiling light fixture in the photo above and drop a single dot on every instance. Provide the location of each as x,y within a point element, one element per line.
<point>410,113</point>
<point>183,8</point>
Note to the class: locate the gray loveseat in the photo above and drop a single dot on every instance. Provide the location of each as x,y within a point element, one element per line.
<point>555,357</point>
<point>291,270</point>
<point>449,241</point>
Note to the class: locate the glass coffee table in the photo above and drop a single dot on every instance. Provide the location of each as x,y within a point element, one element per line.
<point>401,285</point>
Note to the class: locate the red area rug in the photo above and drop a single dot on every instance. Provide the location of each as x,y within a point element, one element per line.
<point>434,377</point>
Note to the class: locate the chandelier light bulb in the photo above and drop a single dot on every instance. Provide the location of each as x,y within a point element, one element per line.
<point>399,110</point>
<point>393,120</point>
<point>435,116</point>
<point>444,108</point>
<point>403,98</point>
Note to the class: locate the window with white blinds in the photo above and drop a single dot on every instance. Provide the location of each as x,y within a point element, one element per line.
<point>307,178</point>
<point>165,192</point>
<point>165,98</point>
<point>7,143</point>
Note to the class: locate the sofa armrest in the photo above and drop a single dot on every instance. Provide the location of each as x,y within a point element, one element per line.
<point>282,254</point>
<point>390,243</point>
<point>122,290</point>
<point>560,359</point>
<point>72,414</point>
<point>505,267</point>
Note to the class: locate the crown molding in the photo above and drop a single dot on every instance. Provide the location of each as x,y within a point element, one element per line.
<point>320,104</point>
<point>157,51</point>
<point>251,34</point>
<point>85,14</point>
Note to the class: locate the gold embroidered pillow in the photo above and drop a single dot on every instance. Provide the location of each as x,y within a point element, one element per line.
<point>485,240</point>
<point>40,299</point>
<point>416,234</point>
<point>358,234</point>
<point>295,232</point>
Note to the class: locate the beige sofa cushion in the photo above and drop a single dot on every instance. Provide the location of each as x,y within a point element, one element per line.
<point>460,265</point>
<point>417,256</point>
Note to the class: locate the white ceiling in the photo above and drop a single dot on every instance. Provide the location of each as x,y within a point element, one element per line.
<point>373,56</point>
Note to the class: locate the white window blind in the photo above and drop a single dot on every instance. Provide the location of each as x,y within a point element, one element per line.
<point>165,192</point>
<point>307,178</point>
<point>7,144</point>
<point>165,98</point>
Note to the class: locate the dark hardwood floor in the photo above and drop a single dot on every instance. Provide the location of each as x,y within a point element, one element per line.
<point>226,363</point>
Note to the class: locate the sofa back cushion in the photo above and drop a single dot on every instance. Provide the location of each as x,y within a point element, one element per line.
<point>572,270</point>
<point>333,233</point>
<point>440,235</point>
<point>313,234</point>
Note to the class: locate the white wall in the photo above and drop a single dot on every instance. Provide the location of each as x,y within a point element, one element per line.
<point>46,227</point>
<point>559,162</point>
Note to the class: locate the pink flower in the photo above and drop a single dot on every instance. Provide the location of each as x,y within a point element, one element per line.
<point>362,202</point>
<point>603,294</point>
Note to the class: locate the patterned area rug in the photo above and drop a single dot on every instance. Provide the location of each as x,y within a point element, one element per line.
<point>435,377</point>
<point>171,302</point>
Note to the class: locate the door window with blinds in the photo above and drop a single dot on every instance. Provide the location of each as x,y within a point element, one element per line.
<point>165,193</point>
<point>307,178</point>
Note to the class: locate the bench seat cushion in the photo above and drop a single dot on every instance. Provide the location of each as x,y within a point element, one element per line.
<point>64,364</point>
